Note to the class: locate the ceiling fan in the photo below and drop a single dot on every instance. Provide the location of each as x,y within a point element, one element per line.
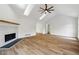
<point>47,9</point>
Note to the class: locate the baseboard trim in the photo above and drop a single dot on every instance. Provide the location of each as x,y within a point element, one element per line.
<point>66,36</point>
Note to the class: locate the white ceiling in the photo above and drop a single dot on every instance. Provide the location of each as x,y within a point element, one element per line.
<point>65,9</point>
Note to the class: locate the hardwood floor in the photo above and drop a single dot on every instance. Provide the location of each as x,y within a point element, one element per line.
<point>43,45</point>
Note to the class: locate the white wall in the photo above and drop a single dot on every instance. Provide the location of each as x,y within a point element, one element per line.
<point>27,27</point>
<point>63,25</point>
<point>41,27</point>
<point>78,27</point>
<point>7,13</point>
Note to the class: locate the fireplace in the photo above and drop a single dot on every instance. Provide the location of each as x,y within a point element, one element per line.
<point>9,37</point>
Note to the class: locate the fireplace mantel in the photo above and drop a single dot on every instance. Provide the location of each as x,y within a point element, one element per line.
<point>9,22</point>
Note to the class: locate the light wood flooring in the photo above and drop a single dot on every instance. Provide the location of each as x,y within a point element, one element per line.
<point>43,45</point>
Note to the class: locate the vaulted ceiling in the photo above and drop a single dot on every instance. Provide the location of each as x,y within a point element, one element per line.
<point>64,9</point>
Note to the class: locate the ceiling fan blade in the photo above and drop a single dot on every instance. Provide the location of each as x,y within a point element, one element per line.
<point>41,8</point>
<point>45,6</point>
<point>48,11</point>
<point>50,7</point>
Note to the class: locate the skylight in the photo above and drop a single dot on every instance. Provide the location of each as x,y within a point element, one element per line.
<point>43,15</point>
<point>28,9</point>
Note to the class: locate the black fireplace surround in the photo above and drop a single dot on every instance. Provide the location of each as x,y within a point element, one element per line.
<point>9,37</point>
